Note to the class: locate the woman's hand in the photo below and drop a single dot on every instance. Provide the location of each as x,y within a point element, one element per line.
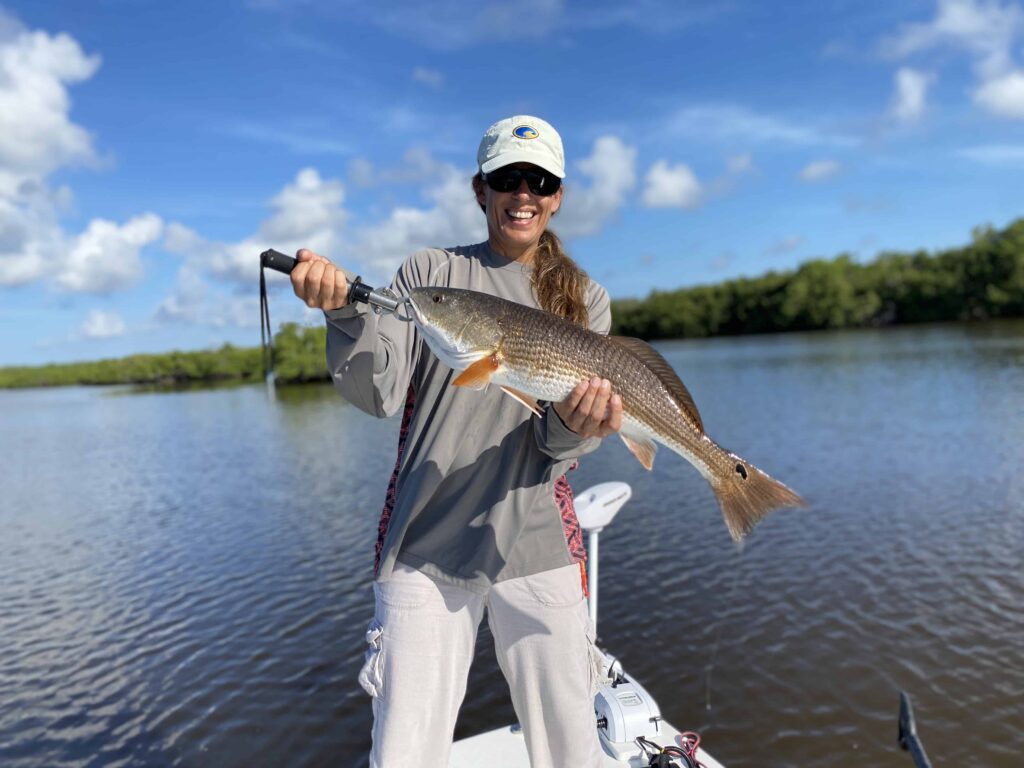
<point>318,282</point>
<point>591,410</point>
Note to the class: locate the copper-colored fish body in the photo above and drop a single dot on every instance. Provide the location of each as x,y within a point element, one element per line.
<point>535,355</point>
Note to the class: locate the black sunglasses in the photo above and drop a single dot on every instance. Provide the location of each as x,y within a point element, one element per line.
<point>539,182</point>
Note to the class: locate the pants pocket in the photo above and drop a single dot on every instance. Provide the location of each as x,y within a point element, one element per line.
<point>371,676</point>
<point>596,660</point>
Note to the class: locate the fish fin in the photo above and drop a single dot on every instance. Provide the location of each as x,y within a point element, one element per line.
<point>650,357</point>
<point>526,400</point>
<point>641,447</point>
<point>478,375</point>
<point>747,494</point>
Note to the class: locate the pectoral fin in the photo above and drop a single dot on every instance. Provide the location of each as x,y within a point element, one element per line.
<point>641,447</point>
<point>526,400</point>
<point>478,375</point>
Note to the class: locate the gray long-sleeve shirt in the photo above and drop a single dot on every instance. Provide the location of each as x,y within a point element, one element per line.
<point>474,500</point>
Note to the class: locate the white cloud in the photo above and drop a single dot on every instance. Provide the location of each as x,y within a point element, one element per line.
<point>417,166</point>
<point>908,100</point>
<point>1004,95</point>
<point>37,137</point>
<point>181,240</point>
<point>987,32</point>
<point>819,170</point>
<point>298,137</point>
<point>733,123</point>
<point>36,134</point>
<point>101,325</point>
<point>307,213</point>
<point>105,257</point>
<point>429,77</point>
<point>985,29</point>
<point>995,154</point>
<point>611,169</point>
<point>671,186</point>
<point>454,218</point>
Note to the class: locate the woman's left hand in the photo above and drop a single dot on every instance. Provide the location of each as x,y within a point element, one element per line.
<point>591,410</point>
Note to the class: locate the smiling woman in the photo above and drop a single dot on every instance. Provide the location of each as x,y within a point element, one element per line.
<point>478,514</point>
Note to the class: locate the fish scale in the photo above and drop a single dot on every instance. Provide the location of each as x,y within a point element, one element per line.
<point>543,357</point>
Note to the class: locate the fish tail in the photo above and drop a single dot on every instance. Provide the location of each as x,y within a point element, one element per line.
<point>746,494</point>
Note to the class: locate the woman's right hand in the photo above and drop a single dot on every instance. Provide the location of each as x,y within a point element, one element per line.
<point>318,282</point>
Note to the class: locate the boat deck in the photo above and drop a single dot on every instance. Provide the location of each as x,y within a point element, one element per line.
<point>506,748</point>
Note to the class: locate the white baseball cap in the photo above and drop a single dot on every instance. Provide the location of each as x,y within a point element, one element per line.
<point>521,139</point>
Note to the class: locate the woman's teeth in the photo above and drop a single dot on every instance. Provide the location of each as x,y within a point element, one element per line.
<point>521,214</point>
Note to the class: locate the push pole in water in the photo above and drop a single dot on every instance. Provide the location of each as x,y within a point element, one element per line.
<point>595,508</point>
<point>907,734</point>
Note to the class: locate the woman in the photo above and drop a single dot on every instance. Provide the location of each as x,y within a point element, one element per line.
<point>478,513</point>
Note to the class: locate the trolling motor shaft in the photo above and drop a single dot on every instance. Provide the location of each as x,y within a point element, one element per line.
<point>381,299</point>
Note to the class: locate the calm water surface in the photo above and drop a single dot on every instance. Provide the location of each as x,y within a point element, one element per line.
<point>185,577</point>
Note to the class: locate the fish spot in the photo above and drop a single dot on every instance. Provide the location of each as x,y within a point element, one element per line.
<point>741,471</point>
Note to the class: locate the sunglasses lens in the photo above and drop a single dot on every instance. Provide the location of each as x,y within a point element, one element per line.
<point>509,180</point>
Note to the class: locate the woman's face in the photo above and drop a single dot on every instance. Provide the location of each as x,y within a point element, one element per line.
<point>516,220</point>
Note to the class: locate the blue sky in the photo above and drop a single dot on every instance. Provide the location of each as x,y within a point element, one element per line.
<point>149,150</point>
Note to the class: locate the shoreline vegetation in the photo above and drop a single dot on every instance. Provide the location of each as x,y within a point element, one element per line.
<point>982,280</point>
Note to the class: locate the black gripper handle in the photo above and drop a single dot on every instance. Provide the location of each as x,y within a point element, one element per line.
<point>357,291</point>
<point>277,261</point>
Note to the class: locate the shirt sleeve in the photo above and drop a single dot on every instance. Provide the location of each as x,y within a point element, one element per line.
<point>371,357</point>
<point>553,437</point>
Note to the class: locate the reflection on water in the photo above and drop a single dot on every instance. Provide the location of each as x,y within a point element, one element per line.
<point>185,577</point>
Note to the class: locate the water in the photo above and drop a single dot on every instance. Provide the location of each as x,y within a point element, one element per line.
<point>185,577</point>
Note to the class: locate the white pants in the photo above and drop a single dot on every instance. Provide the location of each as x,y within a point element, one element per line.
<point>421,646</point>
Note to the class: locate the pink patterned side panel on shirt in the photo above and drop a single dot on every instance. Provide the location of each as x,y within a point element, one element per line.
<point>563,498</point>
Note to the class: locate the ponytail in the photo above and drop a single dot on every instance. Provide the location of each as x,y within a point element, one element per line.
<point>558,283</point>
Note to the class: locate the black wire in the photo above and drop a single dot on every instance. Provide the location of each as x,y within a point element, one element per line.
<point>266,334</point>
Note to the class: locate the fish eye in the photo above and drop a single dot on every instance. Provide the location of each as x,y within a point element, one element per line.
<point>438,298</point>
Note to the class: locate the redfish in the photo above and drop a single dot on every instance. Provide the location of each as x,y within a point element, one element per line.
<point>535,355</point>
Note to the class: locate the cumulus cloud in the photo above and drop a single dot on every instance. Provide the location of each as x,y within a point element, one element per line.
<point>1004,95</point>
<point>910,90</point>
<point>987,32</point>
<point>452,217</point>
<point>819,170</point>
<point>38,137</point>
<point>611,170</point>
<point>105,257</point>
<point>36,133</point>
<point>308,212</point>
<point>101,325</point>
<point>671,186</point>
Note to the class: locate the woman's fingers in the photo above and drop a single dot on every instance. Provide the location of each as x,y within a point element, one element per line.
<point>318,282</point>
<point>591,410</point>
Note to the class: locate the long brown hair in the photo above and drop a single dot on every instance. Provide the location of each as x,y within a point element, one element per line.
<point>558,282</point>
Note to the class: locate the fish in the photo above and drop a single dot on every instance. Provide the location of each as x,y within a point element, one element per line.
<point>534,355</point>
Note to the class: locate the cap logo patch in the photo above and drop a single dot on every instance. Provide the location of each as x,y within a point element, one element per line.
<point>525,132</point>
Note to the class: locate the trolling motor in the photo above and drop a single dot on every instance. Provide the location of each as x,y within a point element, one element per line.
<point>381,299</point>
